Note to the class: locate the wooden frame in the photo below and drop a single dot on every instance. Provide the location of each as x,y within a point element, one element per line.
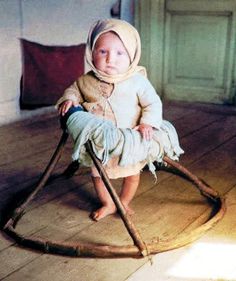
<point>140,247</point>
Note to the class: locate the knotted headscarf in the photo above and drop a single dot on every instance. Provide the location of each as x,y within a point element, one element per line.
<point>129,37</point>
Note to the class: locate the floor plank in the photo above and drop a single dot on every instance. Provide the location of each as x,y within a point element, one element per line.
<point>163,209</point>
<point>210,258</point>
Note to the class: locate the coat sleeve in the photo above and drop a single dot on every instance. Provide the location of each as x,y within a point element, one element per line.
<point>71,93</point>
<point>150,104</point>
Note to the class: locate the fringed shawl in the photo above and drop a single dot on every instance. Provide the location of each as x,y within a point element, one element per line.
<point>109,141</point>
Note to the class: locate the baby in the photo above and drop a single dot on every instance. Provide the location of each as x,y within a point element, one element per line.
<point>115,89</point>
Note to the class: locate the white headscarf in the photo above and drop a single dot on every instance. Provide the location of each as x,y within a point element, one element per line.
<point>129,37</point>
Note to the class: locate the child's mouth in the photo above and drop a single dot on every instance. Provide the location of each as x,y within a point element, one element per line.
<point>111,67</point>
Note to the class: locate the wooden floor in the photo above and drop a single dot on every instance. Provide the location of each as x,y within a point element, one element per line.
<point>163,208</point>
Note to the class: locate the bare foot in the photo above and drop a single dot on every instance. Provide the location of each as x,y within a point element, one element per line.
<point>129,210</point>
<point>103,212</point>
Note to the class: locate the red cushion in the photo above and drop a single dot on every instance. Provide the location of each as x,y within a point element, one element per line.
<point>48,71</point>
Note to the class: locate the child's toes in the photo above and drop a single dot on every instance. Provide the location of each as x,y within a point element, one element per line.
<point>102,213</point>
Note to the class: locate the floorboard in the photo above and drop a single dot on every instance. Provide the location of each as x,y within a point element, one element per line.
<point>163,209</point>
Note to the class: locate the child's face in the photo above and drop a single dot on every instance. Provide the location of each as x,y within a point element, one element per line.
<point>110,55</point>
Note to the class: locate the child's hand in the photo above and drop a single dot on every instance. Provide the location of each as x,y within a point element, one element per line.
<point>65,106</point>
<point>145,130</point>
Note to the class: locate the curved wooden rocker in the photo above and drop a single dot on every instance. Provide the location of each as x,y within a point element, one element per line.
<point>140,248</point>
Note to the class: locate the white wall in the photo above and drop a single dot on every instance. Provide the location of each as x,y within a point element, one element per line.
<point>63,22</point>
<point>10,61</point>
<point>49,22</point>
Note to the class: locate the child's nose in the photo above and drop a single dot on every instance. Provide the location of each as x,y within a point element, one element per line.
<point>110,57</point>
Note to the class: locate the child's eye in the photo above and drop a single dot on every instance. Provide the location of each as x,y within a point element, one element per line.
<point>102,51</point>
<point>120,53</point>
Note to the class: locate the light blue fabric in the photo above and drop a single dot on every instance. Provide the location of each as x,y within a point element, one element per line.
<point>109,141</point>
